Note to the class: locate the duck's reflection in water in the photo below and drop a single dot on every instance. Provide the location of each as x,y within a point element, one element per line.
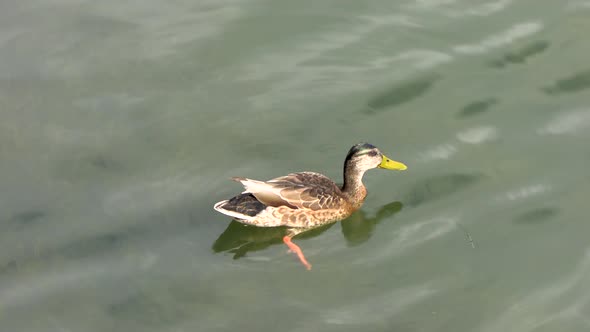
<point>239,239</point>
<point>358,228</point>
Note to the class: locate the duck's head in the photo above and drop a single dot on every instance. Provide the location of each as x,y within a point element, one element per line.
<point>364,156</point>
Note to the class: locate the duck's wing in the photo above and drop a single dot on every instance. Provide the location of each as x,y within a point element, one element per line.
<point>297,190</point>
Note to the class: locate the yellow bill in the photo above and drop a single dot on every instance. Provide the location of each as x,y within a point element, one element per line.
<point>392,164</point>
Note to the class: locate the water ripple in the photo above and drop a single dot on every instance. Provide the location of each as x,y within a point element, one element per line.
<point>559,301</point>
<point>514,33</point>
<point>485,9</point>
<point>477,107</point>
<point>566,123</point>
<point>575,83</point>
<point>410,236</point>
<point>401,94</point>
<point>440,152</point>
<point>521,55</point>
<point>478,135</point>
<point>163,27</point>
<point>526,192</point>
<point>379,307</point>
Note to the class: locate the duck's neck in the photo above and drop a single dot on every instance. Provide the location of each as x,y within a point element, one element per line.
<point>353,187</point>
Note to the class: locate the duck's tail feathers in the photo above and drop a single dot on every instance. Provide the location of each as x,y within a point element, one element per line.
<point>243,207</point>
<point>251,186</point>
<point>219,207</point>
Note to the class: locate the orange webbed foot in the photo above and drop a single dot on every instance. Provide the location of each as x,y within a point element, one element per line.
<point>295,248</point>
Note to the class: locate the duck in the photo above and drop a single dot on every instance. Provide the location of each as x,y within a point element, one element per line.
<point>305,200</point>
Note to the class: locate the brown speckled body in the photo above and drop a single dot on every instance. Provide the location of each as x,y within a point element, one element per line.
<point>305,199</point>
<point>300,218</point>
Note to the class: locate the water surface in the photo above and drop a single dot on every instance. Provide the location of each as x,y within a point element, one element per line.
<point>123,122</point>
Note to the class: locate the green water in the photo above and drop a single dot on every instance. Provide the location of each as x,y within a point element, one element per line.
<point>121,124</point>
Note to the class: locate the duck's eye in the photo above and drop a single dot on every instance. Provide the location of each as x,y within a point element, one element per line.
<point>372,153</point>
